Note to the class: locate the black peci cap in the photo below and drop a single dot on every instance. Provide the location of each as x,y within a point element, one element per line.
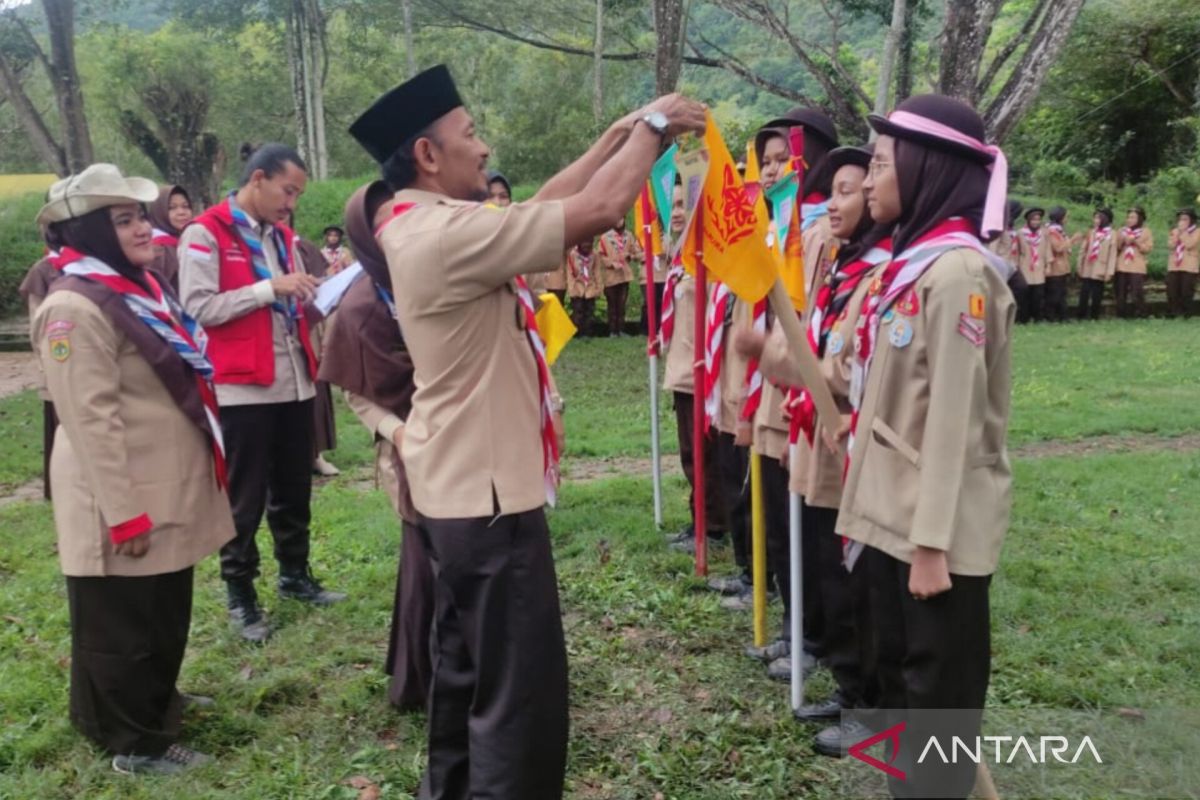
<point>858,156</point>
<point>405,111</point>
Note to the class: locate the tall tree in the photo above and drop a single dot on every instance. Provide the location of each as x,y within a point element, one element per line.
<point>71,150</point>
<point>598,66</point>
<point>669,31</point>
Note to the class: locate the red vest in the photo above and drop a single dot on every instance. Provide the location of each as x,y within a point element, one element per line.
<point>243,350</point>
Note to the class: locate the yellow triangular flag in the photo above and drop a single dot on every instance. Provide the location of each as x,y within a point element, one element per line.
<point>734,235</point>
<point>554,325</point>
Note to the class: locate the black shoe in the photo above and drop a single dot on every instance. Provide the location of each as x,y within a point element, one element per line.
<point>303,586</point>
<point>245,613</point>
<point>776,649</point>
<point>781,668</point>
<point>830,708</point>
<point>836,741</point>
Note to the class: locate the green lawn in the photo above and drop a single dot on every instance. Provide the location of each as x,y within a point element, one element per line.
<point>1094,607</point>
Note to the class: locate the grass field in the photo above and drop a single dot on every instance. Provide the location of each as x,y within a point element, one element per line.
<point>1095,605</point>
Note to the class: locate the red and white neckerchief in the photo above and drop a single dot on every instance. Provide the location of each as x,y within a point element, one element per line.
<point>163,315</point>
<point>1034,238</point>
<point>1130,250</point>
<point>831,298</point>
<point>581,265</point>
<point>549,437</point>
<point>666,323</point>
<point>754,376</point>
<point>1180,249</point>
<point>1099,237</point>
<point>163,239</point>
<point>719,298</point>
<point>897,278</point>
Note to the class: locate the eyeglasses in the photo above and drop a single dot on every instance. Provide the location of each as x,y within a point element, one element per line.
<point>877,168</point>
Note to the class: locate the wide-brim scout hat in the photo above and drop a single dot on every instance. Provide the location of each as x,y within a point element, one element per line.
<point>852,156</point>
<point>951,126</point>
<point>405,111</point>
<point>329,228</point>
<point>98,186</point>
<point>1035,210</point>
<point>813,120</point>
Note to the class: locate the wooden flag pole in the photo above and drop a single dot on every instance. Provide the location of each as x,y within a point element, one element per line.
<point>758,549</point>
<point>652,348</point>
<point>698,377</point>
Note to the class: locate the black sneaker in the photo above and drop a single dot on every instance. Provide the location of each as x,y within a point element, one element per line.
<point>176,759</point>
<point>837,740</point>
<point>776,649</point>
<point>304,587</point>
<point>245,613</point>
<point>827,709</point>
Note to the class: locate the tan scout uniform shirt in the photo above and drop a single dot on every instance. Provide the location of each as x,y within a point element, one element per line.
<point>1060,253</point>
<point>661,268</point>
<point>474,432</point>
<point>1134,250</point>
<point>772,428</point>
<point>619,262</point>
<point>1010,246</point>
<point>124,449</point>
<point>1191,251</point>
<point>1033,263</point>
<point>681,353</point>
<point>201,295</point>
<point>1105,265</point>
<point>589,287</point>
<point>929,465</point>
<point>820,480</point>
<point>733,368</point>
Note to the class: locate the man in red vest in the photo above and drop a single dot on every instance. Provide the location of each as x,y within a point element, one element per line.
<point>238,279</point>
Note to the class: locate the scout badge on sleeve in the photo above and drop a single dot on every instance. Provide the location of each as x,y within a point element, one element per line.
<point>972,329</point>
<point>58,334</point>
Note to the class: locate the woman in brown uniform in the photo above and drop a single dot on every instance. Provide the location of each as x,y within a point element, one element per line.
<point>366,356</point>
<point>138,466</point>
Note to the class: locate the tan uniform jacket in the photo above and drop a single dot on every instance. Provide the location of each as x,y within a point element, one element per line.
<point>578,285</point>
<point>1134,250</point>
<point>553,281</point>
<point>929,465</point>
<point>771,427</point>
<point>474,432</point>
<point>124,448</point>
<point>1010,246</point>
<point>34,288</point>
<point>733,368</point>
<point>1033,259</point>
<point>1190,260</point>
<point>820,479</point>
<point>680,355</point>
<point>620,256</point>
<point>1105,264</point>
<point>661,268</point>
<point>1059,245</point>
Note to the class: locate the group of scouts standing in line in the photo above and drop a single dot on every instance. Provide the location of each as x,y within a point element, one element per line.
<point>1040,254</point>
<point>184,416</point>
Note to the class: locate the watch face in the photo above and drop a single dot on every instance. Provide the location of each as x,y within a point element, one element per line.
<point>657,120</point>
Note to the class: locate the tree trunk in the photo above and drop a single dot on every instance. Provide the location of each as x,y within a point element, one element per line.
<point>35,126</point>
<point>904,66</point>
<point>1021,89</point>
<point>890,47</point>
<point>668,48</point>
<point>77,141</point>
<point>318,58</point>
<point>598,66</point>
<point>296,69</point>
<point>964,39</point>
<point>408,38</point>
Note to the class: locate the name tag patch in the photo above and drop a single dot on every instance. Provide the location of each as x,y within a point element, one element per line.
<point>902,334</point>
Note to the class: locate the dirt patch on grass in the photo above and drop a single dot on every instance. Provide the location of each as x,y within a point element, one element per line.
<point>18,372</point>
<point>583,470</point>
<point>1117,443</point>
<point>26,492</point>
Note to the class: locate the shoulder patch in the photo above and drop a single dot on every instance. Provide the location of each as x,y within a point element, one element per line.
<point>60,346</point>
<point>978,306</point>
<point>972,329</point>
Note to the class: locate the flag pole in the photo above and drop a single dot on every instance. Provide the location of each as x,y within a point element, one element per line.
<point>652,349</point>
<point>797,600</point>
<point>698,377</point>
<point>758,546</point>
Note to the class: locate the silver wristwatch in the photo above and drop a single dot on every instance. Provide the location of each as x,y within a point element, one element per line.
<point>657,122</point>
